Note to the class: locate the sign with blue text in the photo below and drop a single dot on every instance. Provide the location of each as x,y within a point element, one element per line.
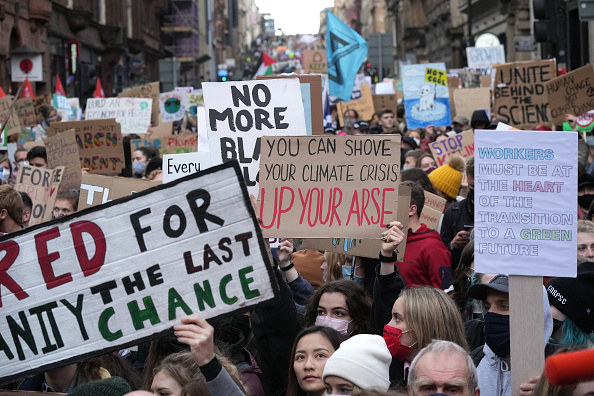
<point>525,203</point>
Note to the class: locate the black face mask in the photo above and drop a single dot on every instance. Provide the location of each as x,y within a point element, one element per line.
<point>585,200</point>
<point>557,324</point>
<point>497,333</point>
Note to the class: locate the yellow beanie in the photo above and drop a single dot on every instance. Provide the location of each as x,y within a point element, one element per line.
<point>448,178</point>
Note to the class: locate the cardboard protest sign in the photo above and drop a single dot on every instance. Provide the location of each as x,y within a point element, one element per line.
<point>39,101</point>
<point>173,144</point>
<point>432,210</point>
<point>365,247</point>
<point>314,61</point>
<point>461,143</point>
<point>62,150</point>
<point>311,96</point>
<point>133,114</point>
<point>571,93</point>
<point>519,95</point>
<point>381,102</point>
<point>467,100</point>
<point>453,85</point>
<point>331,186</point>
<point>14,123</point>
<point>426,102</point>
<point>41,185</point>
<point>100,145</point>
<point>520,226</point>
<point>176,166</point>
<point>364,105</point>
<point>240,113</point>
<point>172,105</point>
<point>97,190</point>
<point>485,57</point>
<point>151,91</point>
<point>127,271</point>
<point>25,109</point>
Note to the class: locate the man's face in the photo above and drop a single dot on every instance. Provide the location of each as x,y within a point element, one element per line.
<point>39,162</point>
<point>387,120</point>
<point>441,372</point>
<point>585,246</point>
<point>497,302</point>
<point>62,207</point>
<point>20,156</point>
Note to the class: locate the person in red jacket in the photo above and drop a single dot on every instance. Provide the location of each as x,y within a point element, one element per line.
<point>427,261</point>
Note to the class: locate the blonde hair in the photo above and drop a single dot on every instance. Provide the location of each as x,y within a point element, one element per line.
<point>432,315</point>
<point>334,263</point>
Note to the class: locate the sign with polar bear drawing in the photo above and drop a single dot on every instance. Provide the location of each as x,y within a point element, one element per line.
<point>426,98</point>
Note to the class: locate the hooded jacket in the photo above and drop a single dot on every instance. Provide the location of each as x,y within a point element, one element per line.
<point>494,377</point>
<point>426,260</point>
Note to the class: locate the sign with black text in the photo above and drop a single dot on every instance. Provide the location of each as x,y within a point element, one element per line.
<point>127,271</point>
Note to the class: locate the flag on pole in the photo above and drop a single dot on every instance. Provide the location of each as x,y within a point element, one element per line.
<point>28,89</point>
<point>346,50</point>
<point>266,65</point>
<point>2,93</point>
<point>59,87</point>
<point>98,90</point>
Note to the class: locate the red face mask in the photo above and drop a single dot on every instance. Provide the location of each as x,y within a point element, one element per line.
<point>392,338</point>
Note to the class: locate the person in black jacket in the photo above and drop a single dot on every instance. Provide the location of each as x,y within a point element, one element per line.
<point>458,219</point>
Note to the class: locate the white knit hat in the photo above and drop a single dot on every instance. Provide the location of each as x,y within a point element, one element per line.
<point>364,360</point>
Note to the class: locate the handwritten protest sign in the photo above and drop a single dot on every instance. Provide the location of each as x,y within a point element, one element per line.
<point>108,278</point>
<point>364,105</point>
<point>100,145</point>
<point>467,100</point>
<point>365,247</point>
<point>176,166</point>
<point>14,123</point>
<point>151,91</point>
<point>97,189</point>
<point>240,113</point>
<point>172,105</point>
<point>173,144</point>
<point>426,103</point>
<point>41,185</point>
<point>314,61</point>
<point>311,97</point>
<point>432,210</point>
<point>26,111</point>
<point>133,114</point>
<point>519,95</point>
<point>317,187</point>
<point>485,57</point>
<point>39,101</point>
<point>461,143</point>
<point>62,150</point>
<point>571,93</point>
<point>381,102</point>
<point>520,227</point>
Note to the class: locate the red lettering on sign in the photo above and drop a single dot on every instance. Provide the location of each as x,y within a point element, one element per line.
<point>46,258</point>
<point>12,252</point>
<point>88,265</point>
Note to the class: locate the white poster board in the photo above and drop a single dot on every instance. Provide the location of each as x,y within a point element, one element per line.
<point>133,114</point>
<point>176,166</point>
<point>239,113</point>
<point>525,203</point>
<point>485,57</point>
<point>172,105</point>
<point>125,272</point>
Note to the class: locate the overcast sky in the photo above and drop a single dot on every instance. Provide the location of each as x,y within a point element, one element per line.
<point>295,16</point>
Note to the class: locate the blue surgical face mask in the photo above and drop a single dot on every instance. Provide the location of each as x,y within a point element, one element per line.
<point>347,273</point>
<point>590,139</point>
<point>138,167</point>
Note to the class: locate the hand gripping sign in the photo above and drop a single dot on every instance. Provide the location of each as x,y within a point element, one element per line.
<point>124,272</point>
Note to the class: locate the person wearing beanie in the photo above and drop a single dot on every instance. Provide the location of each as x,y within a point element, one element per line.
<point>572,305</point>
<point>362,361</point>
<point>447,179</point>
<point>112,386</point>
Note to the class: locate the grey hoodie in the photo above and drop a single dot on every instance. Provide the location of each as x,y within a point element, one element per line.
<point>494,378</point>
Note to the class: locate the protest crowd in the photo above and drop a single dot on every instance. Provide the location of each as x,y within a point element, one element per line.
<point>379,298</point>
